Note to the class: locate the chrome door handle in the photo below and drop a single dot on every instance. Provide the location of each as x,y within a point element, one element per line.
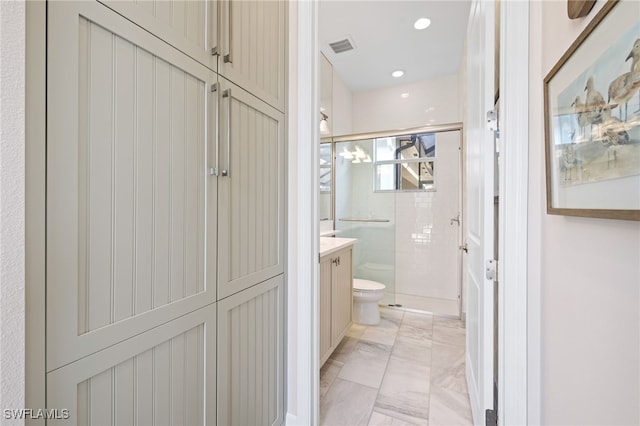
<point>215,51</point>
<point>228,57</point>
<point>227,94</point>
<point>213,171</point>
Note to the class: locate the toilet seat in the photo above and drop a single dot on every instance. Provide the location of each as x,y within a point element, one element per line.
<point>367,285</point>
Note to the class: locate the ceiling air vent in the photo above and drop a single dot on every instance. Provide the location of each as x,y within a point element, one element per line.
<point>343,45</point>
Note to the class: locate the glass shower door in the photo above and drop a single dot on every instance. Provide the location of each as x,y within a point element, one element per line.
<point>364,214</point>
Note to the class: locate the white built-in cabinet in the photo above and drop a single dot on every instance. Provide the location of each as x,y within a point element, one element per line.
<point>165,216</point>
<point>254,47</point>
<point>191,26</point>
<point>336,299</point>
<point>251,190</point>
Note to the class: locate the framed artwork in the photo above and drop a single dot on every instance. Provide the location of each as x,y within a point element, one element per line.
<point>592,119</point>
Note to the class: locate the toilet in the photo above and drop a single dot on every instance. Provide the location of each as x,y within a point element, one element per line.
<point>366,295</point>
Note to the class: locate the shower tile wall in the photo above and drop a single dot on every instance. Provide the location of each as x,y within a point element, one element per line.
<point>426,239</point>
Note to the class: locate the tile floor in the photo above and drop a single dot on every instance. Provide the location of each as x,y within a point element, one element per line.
<point>408,370</point>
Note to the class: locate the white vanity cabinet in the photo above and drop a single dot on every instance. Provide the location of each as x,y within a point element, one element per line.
<point>336,292</point>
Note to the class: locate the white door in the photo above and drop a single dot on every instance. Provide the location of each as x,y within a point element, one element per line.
<point>480,199</point>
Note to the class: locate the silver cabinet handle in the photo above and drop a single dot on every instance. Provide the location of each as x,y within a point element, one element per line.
<point>213,171</point>
<point>227,94</point>
<point>215,50</point>
<point>228,57</point>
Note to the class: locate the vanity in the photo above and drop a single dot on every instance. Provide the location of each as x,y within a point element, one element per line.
<point>336,292</point>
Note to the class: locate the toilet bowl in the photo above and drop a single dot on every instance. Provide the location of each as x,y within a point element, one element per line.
<point>366,295</point>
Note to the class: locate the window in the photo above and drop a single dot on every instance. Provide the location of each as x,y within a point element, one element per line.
<point>405,163</point>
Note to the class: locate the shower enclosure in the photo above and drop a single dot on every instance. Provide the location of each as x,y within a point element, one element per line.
<point>399,194</point>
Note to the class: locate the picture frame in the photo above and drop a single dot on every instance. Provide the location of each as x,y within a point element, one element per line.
<point>592,119</point>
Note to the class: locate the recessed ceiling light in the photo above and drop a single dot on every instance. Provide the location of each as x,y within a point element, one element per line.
<point>397,73</point>
<point>422,23</point>
<point>404,95</point>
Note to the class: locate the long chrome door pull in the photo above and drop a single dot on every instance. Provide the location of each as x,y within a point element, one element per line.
<point>215,50</point>
<point>225,172</point>
<point>228,58</point>
<point>213,171</point>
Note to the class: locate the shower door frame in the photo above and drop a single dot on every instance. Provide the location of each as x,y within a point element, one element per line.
<point>438,128</point>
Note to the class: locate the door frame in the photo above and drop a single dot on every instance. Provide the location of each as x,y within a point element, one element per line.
<point>513,373</point>
<point>303,325</point>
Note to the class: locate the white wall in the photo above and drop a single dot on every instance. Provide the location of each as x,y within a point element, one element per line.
<point>342,107</point>
<point>12,205</point>
<point>584,300</point>
<point>429,102</point>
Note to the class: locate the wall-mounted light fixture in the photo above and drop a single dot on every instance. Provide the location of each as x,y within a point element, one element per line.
<point>324,125</point>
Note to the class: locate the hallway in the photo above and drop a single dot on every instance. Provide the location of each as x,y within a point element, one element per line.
<point>409,369</point>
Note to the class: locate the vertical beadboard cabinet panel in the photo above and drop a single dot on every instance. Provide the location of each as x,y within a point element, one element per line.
<point>342,295</point>
<point>254,47</point>
<point>166,375</point>
<point>251,195</point>
<point>251,356</point>
<point>336,299</point>
<point>325,308</point>
<point>130,207</point>
<point>190,26</point>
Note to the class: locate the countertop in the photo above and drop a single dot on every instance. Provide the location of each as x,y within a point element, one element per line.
<point>330,245</point>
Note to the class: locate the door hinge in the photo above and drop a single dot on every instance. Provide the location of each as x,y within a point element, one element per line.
<point>492,120</point>
<point>492,270</point>
<point>491,418</point>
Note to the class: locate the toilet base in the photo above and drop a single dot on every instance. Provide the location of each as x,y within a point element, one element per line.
<point>367,313</point>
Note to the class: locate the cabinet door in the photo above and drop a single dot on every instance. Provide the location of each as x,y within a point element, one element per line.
<point>251,191</point>
<point>254,47</point>
<point>325,308</point>
<point>163,376</point>
<point>342,295</point>
<point>128,136</point>
<point>251,356</point>
<point>188,25</point>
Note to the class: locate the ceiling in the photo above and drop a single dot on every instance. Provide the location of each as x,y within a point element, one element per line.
<point>385,40</point>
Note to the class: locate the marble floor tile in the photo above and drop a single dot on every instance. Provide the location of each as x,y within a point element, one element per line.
<point>379,419</point>
<point>405,376</point>
<point>413,332</point>
<point>449,331</point>
<point>347,403</point>
<point>356,330</point>
<point>367,364</point>
<point>404,408</point>
<point>408,370</point>
<point>385,332</point>
<point>404,392</point>
<point>448,367</point>
<point>449,408</point>
<point>344,349</point>
<point>328,374</point>
<point>412,349</point>
<point>424,321</point>
<point>392,314</point>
